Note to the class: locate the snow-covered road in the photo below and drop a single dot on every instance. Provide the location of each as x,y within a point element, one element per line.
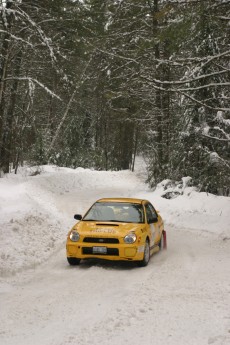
<point>181,298</point>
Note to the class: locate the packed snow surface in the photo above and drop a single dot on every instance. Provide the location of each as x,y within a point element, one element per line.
<point>181,297</point>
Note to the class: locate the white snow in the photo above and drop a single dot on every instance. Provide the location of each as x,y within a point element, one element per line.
<point>220,118</point>
<point>181,297</point>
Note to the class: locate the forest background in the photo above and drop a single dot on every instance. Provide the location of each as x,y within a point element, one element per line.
<point>93,83</point>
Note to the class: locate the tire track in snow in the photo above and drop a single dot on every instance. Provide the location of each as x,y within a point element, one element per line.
<point>181,297</point>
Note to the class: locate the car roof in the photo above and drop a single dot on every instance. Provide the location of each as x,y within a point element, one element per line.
<point>127,200</point>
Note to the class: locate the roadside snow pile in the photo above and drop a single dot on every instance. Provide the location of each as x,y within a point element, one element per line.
<point>65,180</point>
<point>189,209</point>
<point>172,189</point>
<point>29,230</point>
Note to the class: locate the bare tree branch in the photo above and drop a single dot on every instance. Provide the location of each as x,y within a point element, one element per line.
<point>202,103</point>
<point>33,80</point>
<point>77,86</point>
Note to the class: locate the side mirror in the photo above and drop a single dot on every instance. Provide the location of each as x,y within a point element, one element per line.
<point>78,216</point>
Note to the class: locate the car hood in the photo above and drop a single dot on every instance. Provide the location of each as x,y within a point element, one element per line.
<point>107,229</point>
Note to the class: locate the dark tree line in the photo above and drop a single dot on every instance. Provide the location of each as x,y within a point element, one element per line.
<point>93,83</point>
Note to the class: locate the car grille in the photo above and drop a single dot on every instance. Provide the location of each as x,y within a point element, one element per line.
<point>110,251</point>
<point>100,240</point>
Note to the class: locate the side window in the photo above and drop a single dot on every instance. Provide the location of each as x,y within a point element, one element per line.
<point>150,213</point>
<point>153,210</point>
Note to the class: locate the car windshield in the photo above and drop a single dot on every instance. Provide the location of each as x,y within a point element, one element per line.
<point>115,212</point>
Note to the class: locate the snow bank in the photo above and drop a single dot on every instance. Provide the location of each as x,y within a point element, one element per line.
<point>36,211</point>
<point>30,227</point>
<point>193,210</point>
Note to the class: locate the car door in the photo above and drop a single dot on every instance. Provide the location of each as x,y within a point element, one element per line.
<point>153,222</point>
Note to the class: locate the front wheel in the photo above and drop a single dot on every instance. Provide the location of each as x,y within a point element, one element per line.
<point>73,261</point>
<point>146,257</point>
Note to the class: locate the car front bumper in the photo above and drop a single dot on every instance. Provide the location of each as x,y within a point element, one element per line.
<point>113,252</point>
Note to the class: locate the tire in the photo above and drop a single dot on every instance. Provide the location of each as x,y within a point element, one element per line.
<point>73,261</point>
<point>146,257</point>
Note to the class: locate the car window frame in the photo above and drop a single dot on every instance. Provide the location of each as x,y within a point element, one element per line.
<point>153,212</point>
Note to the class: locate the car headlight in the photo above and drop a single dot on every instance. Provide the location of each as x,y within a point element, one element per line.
<point>74,236</point>
<point>130,238</point>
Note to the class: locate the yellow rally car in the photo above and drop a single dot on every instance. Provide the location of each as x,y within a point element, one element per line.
<point>117,229</point>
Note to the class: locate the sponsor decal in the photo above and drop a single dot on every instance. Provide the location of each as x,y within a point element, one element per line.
<point>103,230</point>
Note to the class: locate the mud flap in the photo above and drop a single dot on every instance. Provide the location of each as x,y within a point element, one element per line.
<point>165,239</point>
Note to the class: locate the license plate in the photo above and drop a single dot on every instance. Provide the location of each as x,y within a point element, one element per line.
<point>99,250</point>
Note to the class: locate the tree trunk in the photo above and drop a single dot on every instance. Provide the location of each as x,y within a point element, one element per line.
<point>4,165</point>
<point>7,142</point>
<point>158,115</point>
